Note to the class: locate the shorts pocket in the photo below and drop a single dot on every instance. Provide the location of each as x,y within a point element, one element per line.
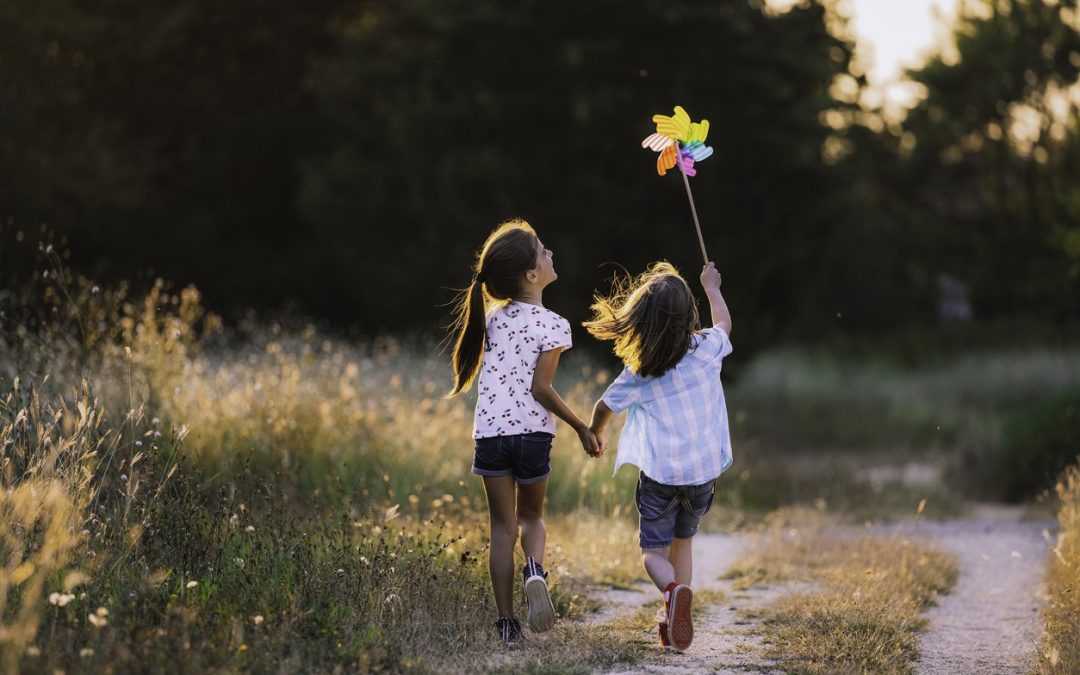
<point>702,501</point>
<point>535,451</point>
<point>488,455</point>
<point>653,500</point>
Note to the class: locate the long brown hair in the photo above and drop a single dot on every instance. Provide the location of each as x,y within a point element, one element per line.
<point>651,319</point>
<point>508,253</point>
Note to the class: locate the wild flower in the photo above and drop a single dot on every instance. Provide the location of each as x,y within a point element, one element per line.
<point>60,599</point>
<point>192,584</point>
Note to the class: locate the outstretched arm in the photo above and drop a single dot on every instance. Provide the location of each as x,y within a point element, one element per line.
<point>544,392</point>
<point>710,281</point>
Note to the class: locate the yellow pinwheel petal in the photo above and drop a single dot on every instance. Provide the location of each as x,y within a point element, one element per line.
<point>676,126</point>
<point>699,131</point>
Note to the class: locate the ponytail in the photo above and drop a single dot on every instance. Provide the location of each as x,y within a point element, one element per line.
<point>471,328</point>
<point>508,253</point>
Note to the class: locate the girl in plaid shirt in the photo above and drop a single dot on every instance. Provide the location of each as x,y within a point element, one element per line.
<point>676,429</point>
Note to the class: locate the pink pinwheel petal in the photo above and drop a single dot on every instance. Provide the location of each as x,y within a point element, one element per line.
<point>656,142</point>
<point>686,165</point>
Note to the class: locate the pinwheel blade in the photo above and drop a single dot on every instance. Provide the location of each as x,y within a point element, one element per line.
<point>656,142</point>
<point>697,150</point>
<point>676,126</point>
<point>686,165</point>
<point>667,159</point>
<point>699,131</point>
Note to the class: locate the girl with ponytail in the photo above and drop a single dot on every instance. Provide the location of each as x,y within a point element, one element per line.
<point>510,343</point>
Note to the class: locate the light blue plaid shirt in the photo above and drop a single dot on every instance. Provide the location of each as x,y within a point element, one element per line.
<point>676,427</point>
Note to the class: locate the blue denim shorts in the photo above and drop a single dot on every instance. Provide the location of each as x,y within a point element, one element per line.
<point>669,511</point>
<point>525,456</point>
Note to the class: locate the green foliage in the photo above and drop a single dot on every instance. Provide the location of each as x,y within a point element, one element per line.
<point>537,110</point>
<point>987,173</point>
<point>1038,443</point>
<point>348,157</point>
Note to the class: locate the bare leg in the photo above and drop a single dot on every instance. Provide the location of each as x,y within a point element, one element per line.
<point>658,567</point>
<point>530,514</point>
<point>682,560</point>
<point>500,497</point>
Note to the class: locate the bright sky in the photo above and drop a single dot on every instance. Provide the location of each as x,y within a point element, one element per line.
<point>894,34</point>
<point>891,35</point>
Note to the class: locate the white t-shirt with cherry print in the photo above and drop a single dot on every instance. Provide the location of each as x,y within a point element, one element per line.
<point>517,333</point>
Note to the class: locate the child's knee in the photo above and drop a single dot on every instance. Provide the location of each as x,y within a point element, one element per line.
<point>530,518</point>
<point>504,531</point>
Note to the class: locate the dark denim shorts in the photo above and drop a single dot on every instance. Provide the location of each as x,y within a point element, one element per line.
<point>669,511</point>
<point>525,456</point>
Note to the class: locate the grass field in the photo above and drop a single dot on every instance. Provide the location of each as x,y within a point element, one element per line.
<point>275,495</point>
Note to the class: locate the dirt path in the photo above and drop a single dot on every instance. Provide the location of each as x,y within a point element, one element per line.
<point>723,640</point>
<point>989,623</point>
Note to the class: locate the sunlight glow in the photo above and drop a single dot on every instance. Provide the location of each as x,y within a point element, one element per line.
<point>891,36</point>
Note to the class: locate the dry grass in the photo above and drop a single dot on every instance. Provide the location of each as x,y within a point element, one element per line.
<point>171,493</point>
<point>1060,651</point>
<point>863,614</point>
<point>276,498</point>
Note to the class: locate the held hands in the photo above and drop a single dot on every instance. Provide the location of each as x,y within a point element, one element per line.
<point>599,433</point>
<point>590,443</point>
<point>710,277</point>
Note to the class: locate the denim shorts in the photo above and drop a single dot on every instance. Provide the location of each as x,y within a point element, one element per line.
<point>525,456</point>
<point>669,511</point>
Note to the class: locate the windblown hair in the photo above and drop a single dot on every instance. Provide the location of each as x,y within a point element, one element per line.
<point>500,267</point>
<point>651,319</point>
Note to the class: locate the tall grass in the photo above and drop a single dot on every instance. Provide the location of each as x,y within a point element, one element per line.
<point>1060,651</point>
<point>275,498</point>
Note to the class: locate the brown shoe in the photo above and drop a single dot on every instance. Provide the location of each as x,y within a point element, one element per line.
<point>680,625</point>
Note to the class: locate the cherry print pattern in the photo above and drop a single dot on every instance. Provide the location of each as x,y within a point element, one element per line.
<point>516,336</point>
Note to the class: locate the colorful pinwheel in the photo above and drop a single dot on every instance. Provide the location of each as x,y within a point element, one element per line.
<point>681,143</point>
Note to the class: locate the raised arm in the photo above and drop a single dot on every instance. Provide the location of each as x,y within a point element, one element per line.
<point>544,392</point>
<point>710,281</point>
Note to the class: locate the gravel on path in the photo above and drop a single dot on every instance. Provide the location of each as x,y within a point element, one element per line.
<point>990,621</point>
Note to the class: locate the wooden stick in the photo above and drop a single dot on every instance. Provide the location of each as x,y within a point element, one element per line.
<point>697,225</point>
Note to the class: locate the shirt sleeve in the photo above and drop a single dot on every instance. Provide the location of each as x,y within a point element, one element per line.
<point>625,391</point>
<point>714,342</point>
<point>553,332</point>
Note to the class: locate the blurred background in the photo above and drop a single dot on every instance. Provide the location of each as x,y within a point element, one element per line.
<point>880,165</point>
<point>230,233</point>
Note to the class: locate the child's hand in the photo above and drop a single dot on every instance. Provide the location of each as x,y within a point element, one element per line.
<point>589,443</point>
<point>601,441</point>
<point>710,277</point>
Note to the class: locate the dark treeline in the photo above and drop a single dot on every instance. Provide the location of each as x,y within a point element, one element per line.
<point>346,157</point>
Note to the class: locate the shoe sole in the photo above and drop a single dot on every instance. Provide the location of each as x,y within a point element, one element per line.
<point>680,625</point>
<point>541,609</point>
